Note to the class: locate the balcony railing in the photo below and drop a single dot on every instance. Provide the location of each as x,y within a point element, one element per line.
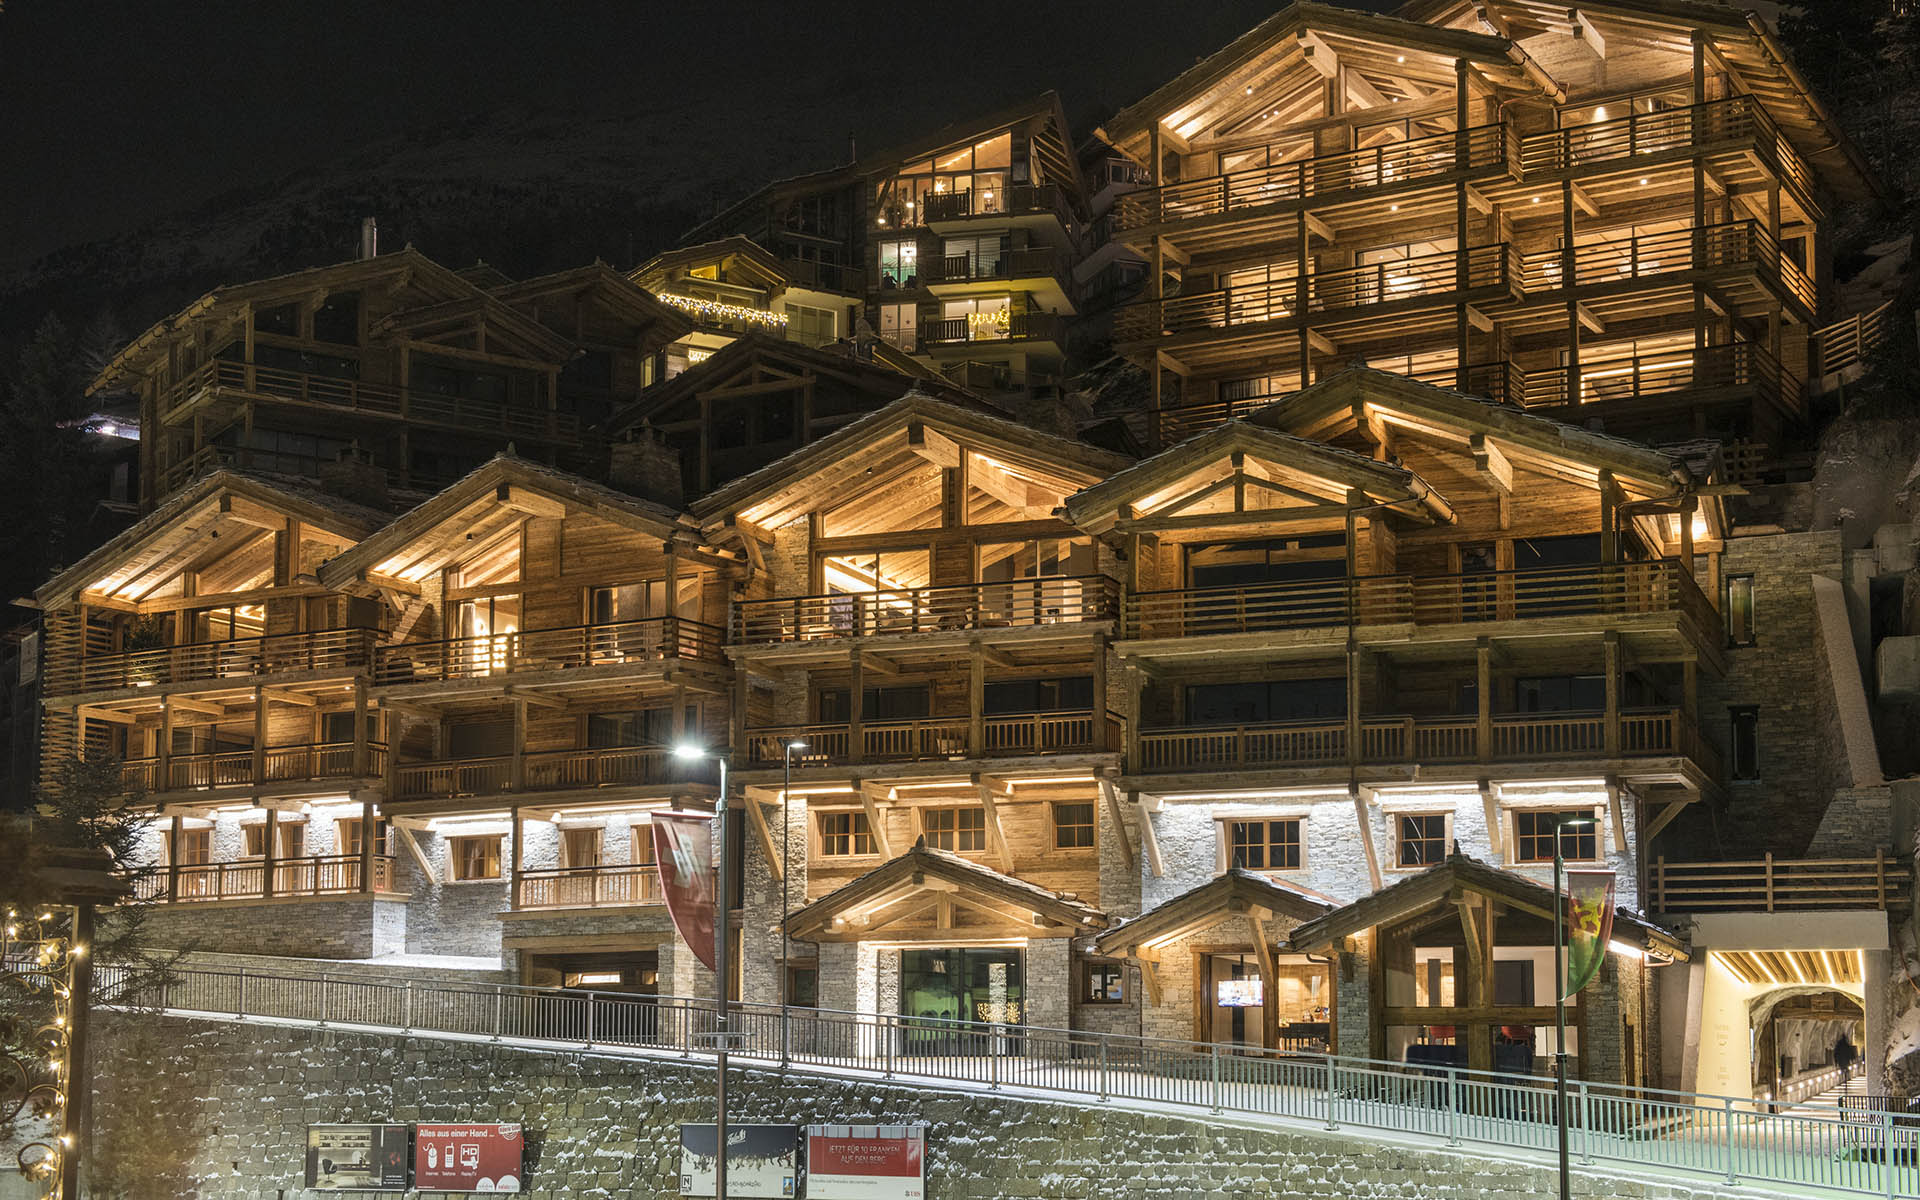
<point>1029,262</point>
<point>542,771</point>
<point>1499,381</point>
<point>327,650</point>
<point>1733,244</point>
<point>1018,603</point>
<point>1020,199</point>
<point>984,327</point>
<point>1738,365</point>
<point>1516,737</point>
<point>938,739</point>
<point>825,277</point>
<point>588,887</point>
<point>1735,119</point>
<point>658,639</point>
<point>379,399</point>
<point>1488,146</point>
<point>316,875</point>
<point>236,768</point>
<point>1425,277</point>
<point>1770,884</point>
<point>1601,589</point>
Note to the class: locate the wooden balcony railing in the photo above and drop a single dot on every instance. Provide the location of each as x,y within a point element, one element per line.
<point>236,768</point>
<point>1050,601</point>
<point>542,771</point>
<point>937,739</point>
<point>1516,737</point>
<point>1737,365</point>
<point>316,875</point>
<point>342,650</point>
<point>1770,884</point>
<point>1020,199</point>
<point>357,395</point>
<point>1028,262</point>
<point>1487,146</point>
<point>658,639</point>
<point>1717,122</point>
<point>1734,244</point>
<point>1848,342</point>
<point>1601,589</point>
<point>588,887</point>
<point>985,327</point>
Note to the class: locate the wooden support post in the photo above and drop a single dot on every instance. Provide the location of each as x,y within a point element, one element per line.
<point>977,701</point>
<point>1609,518</point>
<point>163,752</point>
<point>1610,643</point>
<point>366,847</point>
<point>876,820</point>
<point>518,768</point>
<point>361,767</point>
<point>1570,279</point>
<point>757,821</point>
<point>1483,699</point>
<point>269,852</point>
<point>1490,812</point>
<point>413,848</point>
<point>1616,809</point>
<point>1135,717</point>
<point>856,708</point>
<point>259,738</point>
<point>1116,817</point>
<point>996,830</point>
<point>516,838</point>
<point>1366,835</point>
<point>1149,840</point>
<point>174,831</point>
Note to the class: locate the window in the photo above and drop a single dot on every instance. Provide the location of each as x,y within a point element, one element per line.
<point>1074,693</point>
<point>283,319</point>
<point>1072,826</point>
<point>955,828</point>
<point>293,840</point>
<point>1422,839</point>
<point>256,836</point>
<point>1534,834</point>
<point>350,837</point>
<point>1103,981</point>
<point>1744,761</point>
<point>474,857</point>
<point>900,326</point>
<point>196,847</point>
<point>1278,700</point>
<point>899,265</point>
<point>809,326</point>
<point>1264,845</point>
<point>803,984</point>
<point>337,320</point>
<point>1560,693</point>
<point>979,256</point>
<point>580,847</point>
<point>1739,610</point>
<point>226,624</point>
<point>336,728</point>
<point>843,834</point>
<point>906,703</point>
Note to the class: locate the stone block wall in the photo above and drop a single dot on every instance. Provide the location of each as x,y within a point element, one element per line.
<point>327,927</point>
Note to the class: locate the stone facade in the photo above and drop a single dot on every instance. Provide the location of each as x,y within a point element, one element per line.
<point>327,927</point>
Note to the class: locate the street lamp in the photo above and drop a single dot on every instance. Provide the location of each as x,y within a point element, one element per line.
<point>1560,996</point>
<point>786,874</point>
<point>720,922</point>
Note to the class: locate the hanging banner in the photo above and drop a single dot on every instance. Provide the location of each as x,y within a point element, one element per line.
<point>357,1158</point>
<point>866,1162</point>
<point>467,1158</point>
<point>763,1161</point>
<point>683,846</point>
<point>1589,926</point>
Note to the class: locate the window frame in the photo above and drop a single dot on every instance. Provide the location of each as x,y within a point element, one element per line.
<point>1224,827</point>
<point>1085,977</point>
<point>1091,824</point>
<point>957,827</point>
<point>1515,836</point>
<point>456,858</point>
<point>1752,633</point>
<point>1743,725</point>
<point>857,827</point>
<point>1400,840</point>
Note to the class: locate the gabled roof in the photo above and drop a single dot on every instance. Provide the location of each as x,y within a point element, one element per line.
<point>1044,105</point>
<point>502,319</point>
<point>1433,886</point>
<point>727,221</point>
<point>1331,404</point>
<point>902,877</point>
<point>189,520</point>
<point>510,487</point>
<point>915,426</point>
<point>404,268</point>
<point>1382,483</point>
<point>739,246</point>
<point>1236,893</point>
<point>616,292</point>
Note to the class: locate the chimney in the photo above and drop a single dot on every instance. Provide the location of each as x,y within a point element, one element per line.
<point>369,237</point>
<point>353,475</point>
<point>646,467</point>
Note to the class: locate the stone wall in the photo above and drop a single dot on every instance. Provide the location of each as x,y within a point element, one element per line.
<point>235,1100</point>
<point>329,927</point>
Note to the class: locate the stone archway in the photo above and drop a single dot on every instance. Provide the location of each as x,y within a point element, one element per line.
<point>1796,1032</point>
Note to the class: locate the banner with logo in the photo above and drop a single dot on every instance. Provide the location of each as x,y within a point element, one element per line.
<point>357,1158</point>
<point>763,1161</point>
<point>1589,926</point>
<point>866,1162</point>
<point>683,848</point>
<point>467,1158</point>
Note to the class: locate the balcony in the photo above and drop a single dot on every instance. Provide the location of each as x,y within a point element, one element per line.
<point>1596,590</point>
<point>937,739</point>
<point>1430,278</point>
<point>368,399</point>
<point>528,651</point>
<point>824,277</point>
<point>1734,246</point>
<point>1727,123</point>
<point>1422,741</point>
<point>1487,149</point>
<point>588,887</point>
<point>1018,200</point>
<point>541,771</point>
<point>972,606</point>
<point>240,768</point>
<point>319,875</point>
<point>985,329</point>
<point>334,650</point>
<point>1041,271</point>
<point>1770,884</point>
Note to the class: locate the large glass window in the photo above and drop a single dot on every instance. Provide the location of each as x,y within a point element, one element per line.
<point>1307,558</point>
<point>1036,559</point>
<point>977,319</point>
<point>1275,700</point>
<point>643,600</point>
<point>1073,693</point>
<point>974,257</point>
<point>900,326</point>
<point>878,571</point>
<point>1739,609</point>
<point>226,624</point>
<point>976,176</point>
<point>906,702</point>
<point>953,984</point>
<point>809,326</point>
<point>900,263</point>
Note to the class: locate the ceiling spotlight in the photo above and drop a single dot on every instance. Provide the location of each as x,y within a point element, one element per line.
<point>1643,183</point>
<point>1249,89</point>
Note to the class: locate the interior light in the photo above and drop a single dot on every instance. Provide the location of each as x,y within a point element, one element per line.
<point>1643,183</point>
<point>1600,114</point>
<point>1249,89</point>
<point>1401,58</point>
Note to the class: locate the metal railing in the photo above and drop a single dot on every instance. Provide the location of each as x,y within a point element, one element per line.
<point>323,650</point>
<point>657,639</point>
<point>1023,602</point>
<point>1770,884</point>
<point>989,327</point>
<point>309,875</point>
<point>937,739</point>
<point>541,770</point>
<point>1019,199</point>
<point>1723,1138</point>
<point>588,887</point>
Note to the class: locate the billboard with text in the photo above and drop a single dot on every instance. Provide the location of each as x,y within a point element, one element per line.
<point>468,1158</point>
<point>866,1162</point>
<point>763,1161</point>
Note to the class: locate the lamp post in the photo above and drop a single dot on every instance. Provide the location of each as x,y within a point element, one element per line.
<point>720,922</point>
<point>1560,998</point>
<point>786,873</point>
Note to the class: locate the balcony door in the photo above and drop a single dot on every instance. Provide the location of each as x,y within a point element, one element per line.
<point>623,619</point>
<point>1036,582</point>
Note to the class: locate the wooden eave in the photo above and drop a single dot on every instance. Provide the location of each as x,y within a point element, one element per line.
<point>621,296</point>
<point>1059,157</point>
<point>1233,894</point>
<point>1457,875</point>
<point>491,498</point>
<point>502,321</point>
<point>736,250</point>
<point>177,533</point>
<point>785,489</point>
<point>924,869</point>
<point>763,198</point>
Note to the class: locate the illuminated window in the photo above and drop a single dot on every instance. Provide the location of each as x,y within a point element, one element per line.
<point>1264,845</point>
<point>955,828</point>
<point>1103,981</point>
<point>1739,610</point>
<point>843,834</point>
<point>1072,826</point>
<point>1534,834</point>
<point>475,857</point>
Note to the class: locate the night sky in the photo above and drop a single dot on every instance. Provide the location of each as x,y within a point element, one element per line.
<point>118,111</point>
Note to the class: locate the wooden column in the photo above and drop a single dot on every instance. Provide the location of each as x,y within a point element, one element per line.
<point>1135,716</point>
<point>856,696</point>
<point>361,766</point>
<point>1690,689</point>
<point>514,840</point>
<point>1568,280</point>
<point>1611,732</point>
<point>269,851</point>
<point>173,856</point>
<point>1609,519</point>
<point>259,738</point>
<point>1157,289</point>
<point>1483,699</point>
<point>1303,262</point>
<point>976,700</point>
<point>366,847</point>
<point>163,752</point>
<point>1100,705</point>
<point>518,769</point>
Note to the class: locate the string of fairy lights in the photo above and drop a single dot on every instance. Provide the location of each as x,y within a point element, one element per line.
<point>39,954</point>
<point>719,311</point>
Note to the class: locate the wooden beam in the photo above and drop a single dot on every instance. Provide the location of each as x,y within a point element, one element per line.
<point>1366,838</point>
<point>1477,200</point>
<point>1319,228</point>
<point>1115,814</point>
<point>532,504</point>
<point>934,446</point>
<point>1589,320</point>
<point>876,823</point>
<point>1149,841</point>
<point>1318,54</point>
<point>1616,809</point>
<point>757,818</point>
<point>1321,342</point>
<point>1492,463</point>
<point>413,846</point>
<point>202,707</point>
<point>879,665</point>
<point>1150,979</point>
<point>537,699</point>
<point>283,696</point>
<point>1588,33</point>
<point>1490,809</point>
<point>1584,202</point>
<point>996,832</point>
<point>1262,946</point>
<point>1660,822</point>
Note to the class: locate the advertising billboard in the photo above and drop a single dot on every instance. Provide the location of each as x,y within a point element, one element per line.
<point>467,1158</point>
<point>762,1161</point>
<point>357,1158</point>
<point>866,1162</point>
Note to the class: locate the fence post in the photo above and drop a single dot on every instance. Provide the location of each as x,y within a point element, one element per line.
<point>325,989</point>
<point>406,1008</point>
<point>993,1062</point>
<point>499,1002</point>
<point>885,1034</point>
<point>1213,1067</point>
<point>1104,1041</point>
<point>1586,1125</point>
<point>1331,1123</point>
<point>590,1009</point>
<point>240,1003</point>
<point>1726,1134</point>
<point>1453,1106</point>
<point>1886,1153</point>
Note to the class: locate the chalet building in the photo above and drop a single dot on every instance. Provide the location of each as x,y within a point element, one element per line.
<point>1466,329</point>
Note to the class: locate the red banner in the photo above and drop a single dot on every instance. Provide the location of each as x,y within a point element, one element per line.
<point>683,846</point>
<point>467,1158</point>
